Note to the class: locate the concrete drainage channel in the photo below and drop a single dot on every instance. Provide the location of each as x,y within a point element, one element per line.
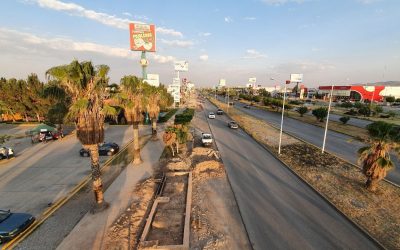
<point>168,224</point>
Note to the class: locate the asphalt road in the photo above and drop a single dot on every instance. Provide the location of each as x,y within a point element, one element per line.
<point>339,144</point>
<point>278,209</point>
<point>47,171</point>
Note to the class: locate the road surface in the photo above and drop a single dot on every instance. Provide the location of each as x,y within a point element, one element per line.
<point>339,144</point>
<point>278,209</point>
<point>47,171</point>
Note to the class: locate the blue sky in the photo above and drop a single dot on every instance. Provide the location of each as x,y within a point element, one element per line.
<point>341,41</point>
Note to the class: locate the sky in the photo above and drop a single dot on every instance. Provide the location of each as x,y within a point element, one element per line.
<point>329,42</point>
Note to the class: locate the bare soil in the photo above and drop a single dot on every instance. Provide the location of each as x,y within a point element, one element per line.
<point>341,183</point>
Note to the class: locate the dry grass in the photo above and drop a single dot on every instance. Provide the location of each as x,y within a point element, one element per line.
<point>342,183</point>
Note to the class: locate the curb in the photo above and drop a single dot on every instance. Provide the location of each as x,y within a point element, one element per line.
<point>230,184</point>
<point>56,205</point>
<point>360,228</point>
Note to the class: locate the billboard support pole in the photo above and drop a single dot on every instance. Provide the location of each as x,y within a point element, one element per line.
<point>327,119</point>
<point>283,111</point>
<point>144,65</point>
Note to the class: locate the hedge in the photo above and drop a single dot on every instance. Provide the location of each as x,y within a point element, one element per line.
<point>185,117</point>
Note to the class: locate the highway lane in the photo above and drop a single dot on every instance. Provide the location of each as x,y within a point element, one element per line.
<point>278,209</point>
<point>339,144</point>
<point>47,171</point>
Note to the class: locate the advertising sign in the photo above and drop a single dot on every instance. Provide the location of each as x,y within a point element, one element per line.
<point>153,79</point>
<point>181,65</point>
<point>296,77</point>
<point>175,89</point>
<point>142,37</point>
<point>222,82</point>
<point>252,80</point>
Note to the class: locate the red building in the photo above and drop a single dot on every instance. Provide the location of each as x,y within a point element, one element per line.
<point>359,92</point>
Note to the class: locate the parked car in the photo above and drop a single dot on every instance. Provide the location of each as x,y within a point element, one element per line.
<point>206,139</point>
<point>11,224</point>
<point>220,112</point>
<point>6,152</point>
<point>211,115</point>
<point>246,106</point>
<point>233,125</point>
<point>107,148</point>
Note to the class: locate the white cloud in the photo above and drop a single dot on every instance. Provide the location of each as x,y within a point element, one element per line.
<point>126,14</point>
<point>106,19</point>
<point>203,57</point>
<point>249,18</point>
<point>204,34</point>
<point>178,43</point>
<point>171,32</point>
<point>253,54</point>
<point>228,19</point>
<point>34,42</point>
<point>281,2</point>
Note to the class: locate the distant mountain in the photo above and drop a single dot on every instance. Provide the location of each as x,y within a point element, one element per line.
<point>388,83</point>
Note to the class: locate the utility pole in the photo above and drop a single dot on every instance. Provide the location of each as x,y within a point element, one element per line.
<point>283,111</point>
<point>327,120</point>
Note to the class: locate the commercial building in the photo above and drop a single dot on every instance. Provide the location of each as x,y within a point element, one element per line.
<point>361,92</point>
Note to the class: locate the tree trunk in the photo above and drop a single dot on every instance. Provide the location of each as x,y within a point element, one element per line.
<point>38,117</point>
<point>26,117</point>
<point>154,128</point>
<point>96,173</point>
<point>136,147</point>
<point>372,184</point>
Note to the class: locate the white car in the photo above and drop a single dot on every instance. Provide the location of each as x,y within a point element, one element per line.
<point>211,115</point>
<point>6,153</point>
<point>206,139</point>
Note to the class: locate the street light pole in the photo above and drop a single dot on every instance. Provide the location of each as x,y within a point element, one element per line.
<point>283,111</point>
<point>327,120</point>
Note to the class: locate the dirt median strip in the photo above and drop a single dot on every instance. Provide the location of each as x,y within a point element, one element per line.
<point>340,183</point>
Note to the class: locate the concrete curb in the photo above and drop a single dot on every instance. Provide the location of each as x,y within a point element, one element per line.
<point>230,184</point>
<point>362,230</point>
<point>59,203</point>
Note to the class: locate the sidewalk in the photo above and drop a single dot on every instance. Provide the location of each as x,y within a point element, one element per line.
<point>90,231</point>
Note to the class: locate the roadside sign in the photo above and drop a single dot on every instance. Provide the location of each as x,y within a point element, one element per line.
<point>142,37</point>
<point>181,66</point>
<point>296,77</point>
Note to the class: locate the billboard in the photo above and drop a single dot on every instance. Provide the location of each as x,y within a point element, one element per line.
<point>222,82</point>
<point>142,37</point>
<point>252,80</point>
<point>296,77</point>
<point>181,65</point>
<point>153,80</point>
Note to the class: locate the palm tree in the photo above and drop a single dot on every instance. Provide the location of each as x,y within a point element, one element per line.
<point>86,84</point>
<point>375,158</point>
<point>133,100</point>
<point>153,95</point>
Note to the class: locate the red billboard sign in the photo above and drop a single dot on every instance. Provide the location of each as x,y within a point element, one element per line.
<point>142,37</point>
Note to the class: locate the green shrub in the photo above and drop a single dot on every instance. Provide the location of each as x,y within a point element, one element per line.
<point>167,116</point>
<point>302,110</point>
<point>320,113</point>
<point>256,98</point>
<point>351,112</point>
<point>364,110</point>
<point>390,99</point>
<point>346,105</point>
<point>344,119</point>
<point>392,114</point>
<point>295,102</point>
<point>358,105</point>
<point>184,118</point>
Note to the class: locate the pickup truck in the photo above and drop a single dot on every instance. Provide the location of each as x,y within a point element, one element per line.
<point>206,139</point>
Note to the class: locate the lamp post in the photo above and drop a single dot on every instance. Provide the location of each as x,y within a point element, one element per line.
<point>327,120</point>
<point>144,63</point>
<point>283,111</point>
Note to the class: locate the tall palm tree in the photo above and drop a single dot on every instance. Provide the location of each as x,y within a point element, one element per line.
<point>86,84</point>
<point>375,158</point>
<point>153,106</point>
<point>132,99</point>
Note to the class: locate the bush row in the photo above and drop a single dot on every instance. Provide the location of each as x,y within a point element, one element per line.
<point>185,117</point>
<point>167,116</point>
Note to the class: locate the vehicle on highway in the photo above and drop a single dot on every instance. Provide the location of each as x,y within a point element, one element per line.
<point>220,112</point>
<point>106,148</point>
<point>211,115</point>
<point>233,125</point>
<point>6,152</point>
<point>246,106</point>
<point>11,224</point>
<point>206,139</point>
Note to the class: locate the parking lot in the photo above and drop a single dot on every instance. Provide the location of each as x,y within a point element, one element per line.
<point>41,173</point>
